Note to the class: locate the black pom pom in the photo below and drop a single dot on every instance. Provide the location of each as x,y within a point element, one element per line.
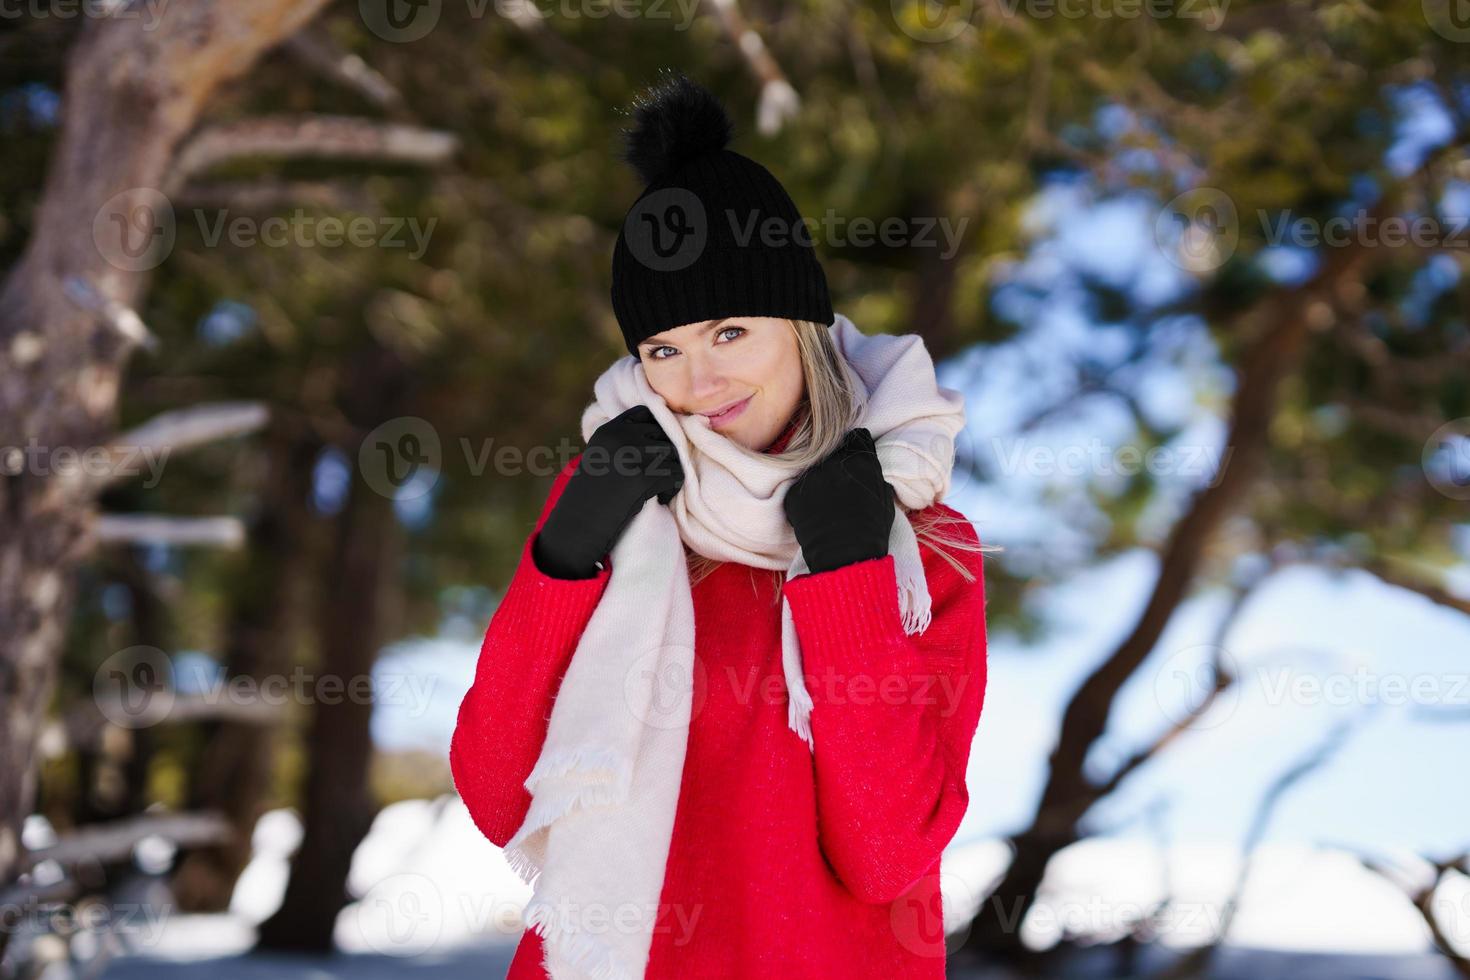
<point>675,121</point>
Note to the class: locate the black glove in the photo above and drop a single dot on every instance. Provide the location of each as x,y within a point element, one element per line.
<point>842,509</point>
<point>627,460</point>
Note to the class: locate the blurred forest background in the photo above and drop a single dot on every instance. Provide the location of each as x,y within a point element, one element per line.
<point>282,277</point>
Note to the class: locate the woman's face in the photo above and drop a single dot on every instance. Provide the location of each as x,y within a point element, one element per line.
<point>700,368</point>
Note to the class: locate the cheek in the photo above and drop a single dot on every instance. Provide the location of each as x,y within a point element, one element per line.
<point>788,378</point>
<point>664,383</point>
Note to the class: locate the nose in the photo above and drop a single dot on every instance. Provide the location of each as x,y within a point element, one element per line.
<point>706,381</point>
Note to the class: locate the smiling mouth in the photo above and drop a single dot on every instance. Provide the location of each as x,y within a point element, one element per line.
<point>730,411</point>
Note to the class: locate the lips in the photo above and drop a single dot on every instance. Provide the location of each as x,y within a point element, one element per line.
<point>728,412</point>
<point>722,409</point>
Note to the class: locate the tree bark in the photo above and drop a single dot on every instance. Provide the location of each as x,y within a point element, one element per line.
<point>354,615</point>
<point>233,773</point>
<point>131,95</point>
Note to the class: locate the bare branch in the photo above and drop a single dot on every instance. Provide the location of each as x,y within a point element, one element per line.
<point>1193,964</point>
<point>269,195</point>
<point>115,840</point>
<point>181,429</point>
<point>83,726</point>
<point>213,532</point>
<point>311,136</point>
<point>778,100</point>
<point>316,49</point>
<point>1422,896</point>
<point>1219,671</point>
<point>1435,593</point>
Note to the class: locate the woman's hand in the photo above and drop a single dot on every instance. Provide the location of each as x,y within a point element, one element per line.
<point>842,509</point>
<point>627,460</point>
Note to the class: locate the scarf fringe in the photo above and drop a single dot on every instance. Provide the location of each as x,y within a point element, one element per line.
<point>590,761</point>
<point>799,714</point>
<point>521,862</point>
<point>578,949</point>
<point>915,606</point>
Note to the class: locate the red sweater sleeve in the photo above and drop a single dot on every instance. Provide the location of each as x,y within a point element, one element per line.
<point>503,718</point>
<point>893,715</point>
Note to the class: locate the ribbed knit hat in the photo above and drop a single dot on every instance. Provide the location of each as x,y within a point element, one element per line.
<point>714,234</point>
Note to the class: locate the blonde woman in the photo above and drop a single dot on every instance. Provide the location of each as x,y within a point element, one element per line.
<point>721,718</point>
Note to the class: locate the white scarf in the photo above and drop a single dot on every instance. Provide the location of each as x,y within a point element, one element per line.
<point>604,790</point>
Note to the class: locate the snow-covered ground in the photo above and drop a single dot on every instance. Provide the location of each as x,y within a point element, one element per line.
<point>436,897</point>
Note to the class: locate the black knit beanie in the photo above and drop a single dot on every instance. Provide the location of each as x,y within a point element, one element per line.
<point>714,234</point>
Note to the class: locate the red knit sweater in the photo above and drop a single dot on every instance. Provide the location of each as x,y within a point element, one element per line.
<point>783,863</point>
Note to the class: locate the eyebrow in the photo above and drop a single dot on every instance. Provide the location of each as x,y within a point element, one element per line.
<point>655,342</point>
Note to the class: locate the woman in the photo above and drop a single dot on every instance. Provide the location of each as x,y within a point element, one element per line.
<point>788,805</point>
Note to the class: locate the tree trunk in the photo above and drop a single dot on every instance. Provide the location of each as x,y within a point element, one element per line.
<point>354,616</point>
<point>131,94</point>
<point>232,775</point>
<point>1281,324</point>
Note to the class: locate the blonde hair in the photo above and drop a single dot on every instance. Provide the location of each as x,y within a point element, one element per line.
<point>828,410</point>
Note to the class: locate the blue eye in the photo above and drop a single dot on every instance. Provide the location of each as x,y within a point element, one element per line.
<point>653,353</point>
